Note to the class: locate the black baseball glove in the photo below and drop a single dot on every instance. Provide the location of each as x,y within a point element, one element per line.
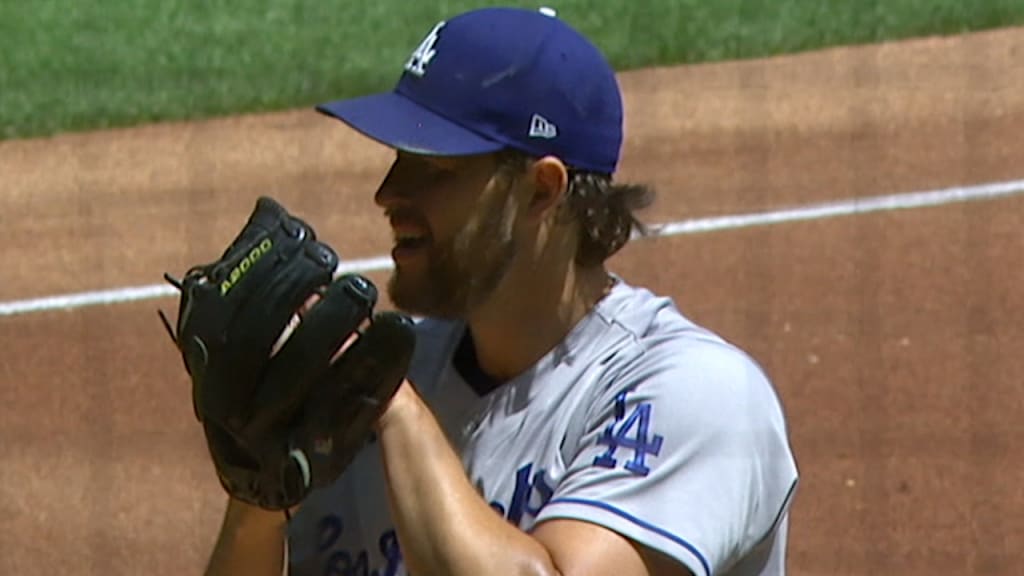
<point>283,419</point>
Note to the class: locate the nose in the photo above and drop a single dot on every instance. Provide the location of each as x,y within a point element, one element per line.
<point>389,194</point>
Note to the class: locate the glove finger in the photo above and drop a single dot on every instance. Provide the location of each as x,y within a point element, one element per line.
<point>253,329</point>
<point>261,255</point>
<point>266,217</point>
<point>269,237</point>
<point>258,325</point>
<point>217,289</point>
<point>325,441</point>
<point>343,406</point>
<point>374,366</point>
<point>346,304</point>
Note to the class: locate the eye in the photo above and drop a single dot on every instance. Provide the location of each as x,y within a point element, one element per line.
<point>434,172</point>
<point>437,172</point>
<point>424,170</point>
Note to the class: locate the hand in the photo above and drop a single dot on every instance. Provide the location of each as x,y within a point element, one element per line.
<point>402,406</point>
<point>283,416</point>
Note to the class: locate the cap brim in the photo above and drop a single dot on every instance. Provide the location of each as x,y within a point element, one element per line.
<point>400,123</point>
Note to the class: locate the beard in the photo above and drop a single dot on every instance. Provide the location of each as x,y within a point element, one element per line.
<point>460,271</point>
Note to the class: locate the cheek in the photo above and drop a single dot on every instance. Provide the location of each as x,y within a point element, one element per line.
<point>446,221</point>
<point>453,209</point>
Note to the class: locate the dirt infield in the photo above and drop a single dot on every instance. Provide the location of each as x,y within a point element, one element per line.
<point>894,338</point>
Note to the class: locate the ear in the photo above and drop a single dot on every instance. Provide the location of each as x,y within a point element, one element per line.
<point>550,180</point>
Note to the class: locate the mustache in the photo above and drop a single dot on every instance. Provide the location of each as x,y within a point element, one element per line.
<point>400,217</point>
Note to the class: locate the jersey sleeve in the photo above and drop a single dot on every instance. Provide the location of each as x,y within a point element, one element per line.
<point>686,452</point>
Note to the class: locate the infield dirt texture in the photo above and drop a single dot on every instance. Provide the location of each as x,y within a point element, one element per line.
<point>895,338</point>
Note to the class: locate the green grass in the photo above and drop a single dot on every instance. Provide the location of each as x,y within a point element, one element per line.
<point>84,64</point>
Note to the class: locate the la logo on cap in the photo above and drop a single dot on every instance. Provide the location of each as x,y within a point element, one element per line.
<point>424,53</point>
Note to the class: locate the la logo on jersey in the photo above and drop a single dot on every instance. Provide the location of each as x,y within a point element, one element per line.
<point>424,53</point>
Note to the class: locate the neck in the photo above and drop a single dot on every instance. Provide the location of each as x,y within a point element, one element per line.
<point>530,313</point>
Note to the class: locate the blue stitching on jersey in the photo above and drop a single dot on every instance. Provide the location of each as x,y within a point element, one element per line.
<point>645,525</point>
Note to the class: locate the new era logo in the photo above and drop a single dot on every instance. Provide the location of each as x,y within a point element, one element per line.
<point>541,127</point>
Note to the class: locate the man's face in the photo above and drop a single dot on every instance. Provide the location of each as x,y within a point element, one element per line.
<point>453,221</point>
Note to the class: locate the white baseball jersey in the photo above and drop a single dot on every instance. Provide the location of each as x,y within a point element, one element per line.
<point>639,421</point>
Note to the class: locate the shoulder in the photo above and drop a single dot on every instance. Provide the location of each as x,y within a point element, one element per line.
<point>669,359</point>
<point>664,345</point>
<point>683,420</point>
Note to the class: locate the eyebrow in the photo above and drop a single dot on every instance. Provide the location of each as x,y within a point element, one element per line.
<point>442,162</point>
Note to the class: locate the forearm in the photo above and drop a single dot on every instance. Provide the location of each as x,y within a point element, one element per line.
<point>251,542</point>
<point>443,525</point>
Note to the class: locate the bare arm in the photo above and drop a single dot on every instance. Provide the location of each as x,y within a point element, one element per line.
<point>445,527</point>
<point>251,542</point>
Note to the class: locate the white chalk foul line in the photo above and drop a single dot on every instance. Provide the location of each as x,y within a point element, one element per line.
<point>134,293</point>
<point>842,208</point>
<point>695,226</point>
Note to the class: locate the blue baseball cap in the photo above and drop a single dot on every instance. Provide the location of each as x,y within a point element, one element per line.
<point>498,78</point>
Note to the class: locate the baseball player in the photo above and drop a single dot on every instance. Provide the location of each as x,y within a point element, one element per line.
<point>555,418</point>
